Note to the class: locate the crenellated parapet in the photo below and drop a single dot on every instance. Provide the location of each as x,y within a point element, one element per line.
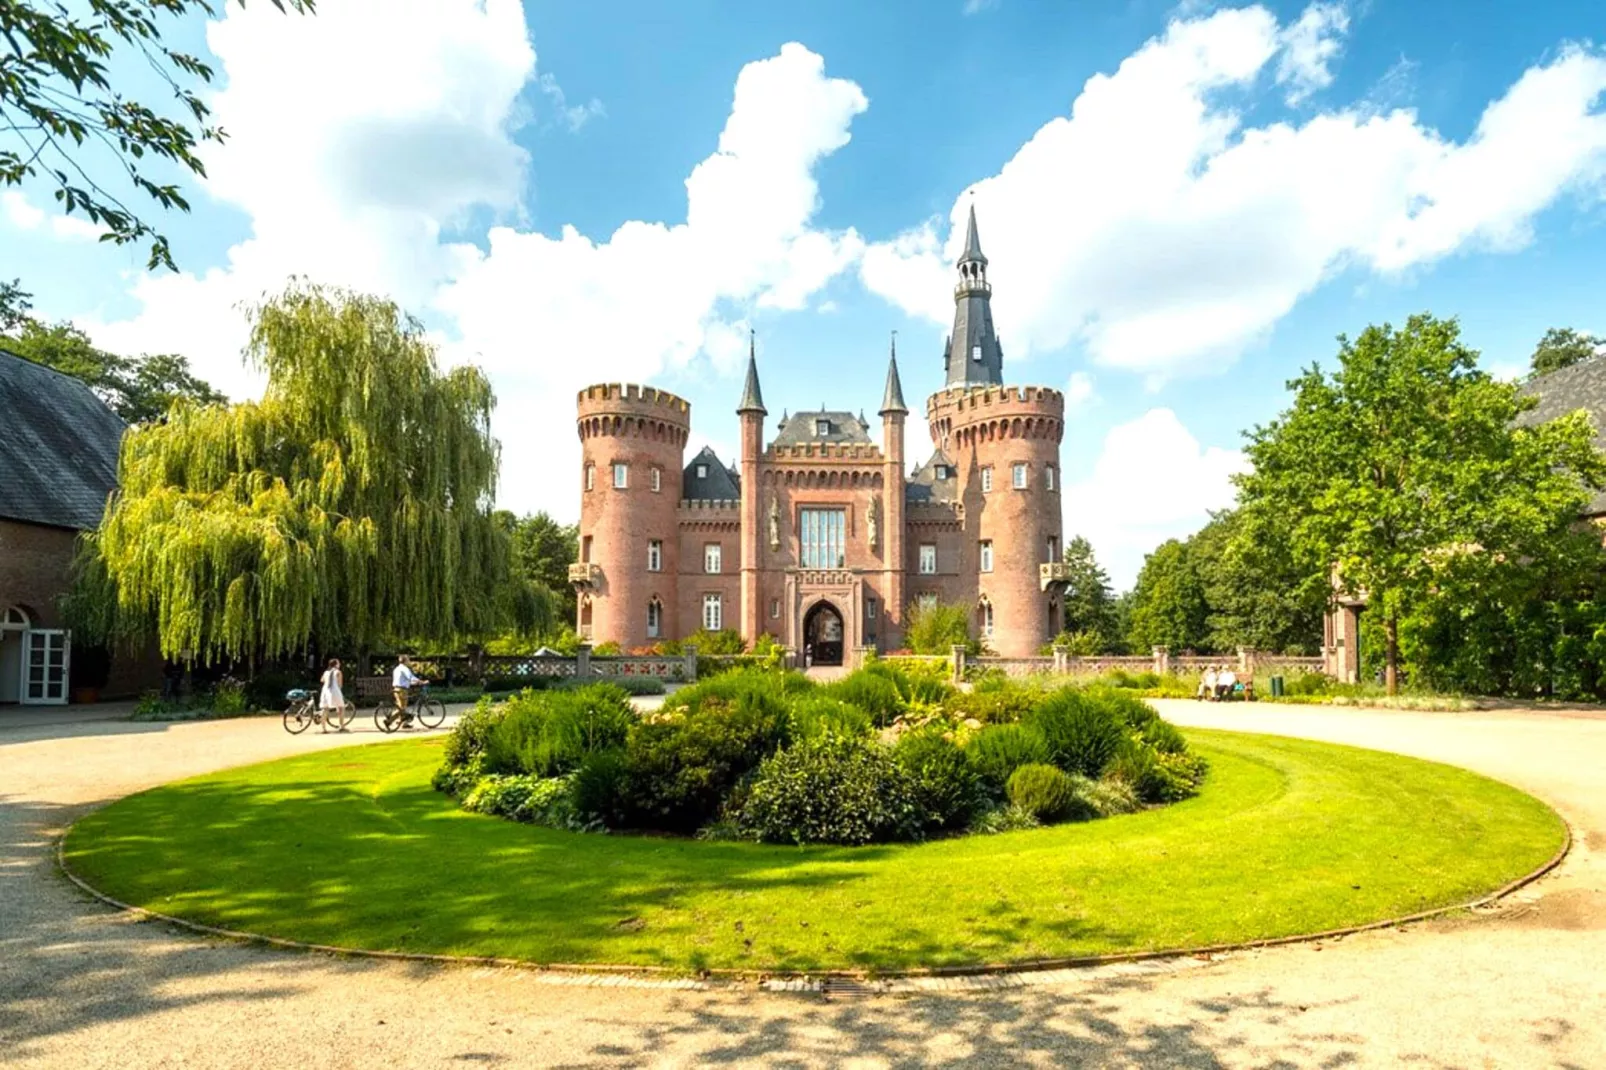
<point>833,452</point>
<point>964,416</point>
<point>622,410</point>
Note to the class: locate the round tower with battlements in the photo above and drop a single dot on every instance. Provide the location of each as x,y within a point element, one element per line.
<point>633,445</point>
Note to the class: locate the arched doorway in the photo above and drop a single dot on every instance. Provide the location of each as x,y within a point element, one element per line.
<point>14,621</point>
<point>822,635</point>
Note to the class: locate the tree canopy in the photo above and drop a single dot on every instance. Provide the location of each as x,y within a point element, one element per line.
<point>1407,472</point>
<point>349,506</point>
<point>139,389</point>
<point>1088,602</point>
<point>1562,347</point>
<point>1168,602</point>
<point>542,551</point>
<point>63,122</point>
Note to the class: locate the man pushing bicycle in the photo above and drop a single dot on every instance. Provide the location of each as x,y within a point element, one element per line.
<point>402,682</point>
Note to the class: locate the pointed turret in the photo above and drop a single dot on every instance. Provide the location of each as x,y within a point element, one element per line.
<point>892,398</point>
<point>974,357</point>
<point>752,399</point>
<point>972,253</point>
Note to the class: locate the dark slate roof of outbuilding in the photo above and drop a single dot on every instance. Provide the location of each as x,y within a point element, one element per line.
<point>58,447</point>
<point>924,486</point>
<point>799,430</point>
<point>1580,386</point>
<point>719,485</point>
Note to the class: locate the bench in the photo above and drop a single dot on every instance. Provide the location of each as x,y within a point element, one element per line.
<point>1242,689</point>
<point>370,690</point>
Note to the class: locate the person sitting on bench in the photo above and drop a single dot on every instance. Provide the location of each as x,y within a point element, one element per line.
<point>1225,680</point>
<point>1207,683</point>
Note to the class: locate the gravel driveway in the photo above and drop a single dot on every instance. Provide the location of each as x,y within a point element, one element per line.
<point>1522,985</point>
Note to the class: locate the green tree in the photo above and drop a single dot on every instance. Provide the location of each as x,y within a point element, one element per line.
<point>139,389</point>
<point>351,505</point>
<point>1255,595</point>
<point>59,110</point>
<point>937,627</point>
<point>1168,602</point>
<point>1562,347</point>
<point>543,550</point>
<point>1088,602</point>
<point>1406,472</point>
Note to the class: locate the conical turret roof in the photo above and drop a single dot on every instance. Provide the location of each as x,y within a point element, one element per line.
<point>752,398</point>
<point>892,398</point>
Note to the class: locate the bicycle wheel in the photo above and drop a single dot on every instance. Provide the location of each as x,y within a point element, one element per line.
<point>297,718</point>
<point>338,719</point>
<point>431,712</point>
<point>385,718</point>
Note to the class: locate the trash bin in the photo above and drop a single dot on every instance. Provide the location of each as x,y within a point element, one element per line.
<point>1276,687</point>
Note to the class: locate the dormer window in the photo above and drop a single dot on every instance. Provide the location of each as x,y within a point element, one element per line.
<point>702,471</point>
<point>942,471</point>
<point>822,428</point>
<point>975,352</point>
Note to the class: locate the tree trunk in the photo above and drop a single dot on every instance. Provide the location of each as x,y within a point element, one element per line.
<point>1391,654</point>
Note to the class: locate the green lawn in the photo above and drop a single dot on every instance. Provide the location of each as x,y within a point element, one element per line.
<point>352,847</point>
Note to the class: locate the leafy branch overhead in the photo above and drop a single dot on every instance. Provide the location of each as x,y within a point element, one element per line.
<point>59,107</point>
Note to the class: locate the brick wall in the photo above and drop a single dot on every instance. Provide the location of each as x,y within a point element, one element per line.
<point>34,563</point>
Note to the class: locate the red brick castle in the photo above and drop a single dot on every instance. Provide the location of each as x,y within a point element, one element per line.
<point>819,538</point>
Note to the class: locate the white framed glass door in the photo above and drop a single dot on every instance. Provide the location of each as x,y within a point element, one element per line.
<point>46,655</point>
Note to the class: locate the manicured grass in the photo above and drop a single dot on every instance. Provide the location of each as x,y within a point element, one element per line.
<point>352,847</point>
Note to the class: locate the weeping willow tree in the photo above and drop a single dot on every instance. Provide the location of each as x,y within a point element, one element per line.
<point>350,506</point>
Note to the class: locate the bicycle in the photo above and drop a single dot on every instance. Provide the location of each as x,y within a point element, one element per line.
<point>428,712</point>
<point>303,712</point>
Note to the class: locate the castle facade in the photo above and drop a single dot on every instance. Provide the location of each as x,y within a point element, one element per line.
<point>821,536</point>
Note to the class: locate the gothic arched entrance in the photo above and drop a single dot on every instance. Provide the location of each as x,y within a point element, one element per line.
<point>822,635</point>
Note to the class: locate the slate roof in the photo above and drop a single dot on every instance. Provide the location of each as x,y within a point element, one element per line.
<point>799,429</point>
<point>58,447</point>
<point>924,486</point>
<point>1581,386</point>
<point>720,484</point>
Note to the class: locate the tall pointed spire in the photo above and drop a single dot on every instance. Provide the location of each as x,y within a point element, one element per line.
<point>892,399</point>
<point>972,241</point>
<point>752,399</point>
<point>973,357</point>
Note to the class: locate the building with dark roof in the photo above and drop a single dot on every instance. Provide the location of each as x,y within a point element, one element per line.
<point>1565,390</point>
<point>819,536</point>
<point>58,465</point>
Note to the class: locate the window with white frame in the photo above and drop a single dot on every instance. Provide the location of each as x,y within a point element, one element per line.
<point>987,480</point>
<point>591,476</point>
<point>928,559</point>
<point>822,428</point>
<point>775,609</point>
<point>986,619</point>
<point>1018,474</point>
<point>1053,548</point>
<point>713,612</point>
<point>657,480</point>
<point>987,555</point>
<point>942,472</point>
<point>822,537</point>
<point>1048,476</point>
<point>711,558</point>
<point>621,475</point>
<point>655,619</point>
<point>869,609</point>
<point>655,555</point>
<point>702,471</point>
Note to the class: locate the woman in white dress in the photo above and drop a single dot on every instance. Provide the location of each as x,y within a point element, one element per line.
<point>331,700</point>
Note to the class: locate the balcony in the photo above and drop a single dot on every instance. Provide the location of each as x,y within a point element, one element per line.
<point>1052,574</point>
<point>585,573</point>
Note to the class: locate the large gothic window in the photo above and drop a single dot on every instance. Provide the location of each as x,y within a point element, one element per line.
<point>822,534</point>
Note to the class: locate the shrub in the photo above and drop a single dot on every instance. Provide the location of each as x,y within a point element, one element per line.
<point>1108,797</point>
<point>1004,819</point>
<point>549,733</point>
<point>1129,709</point>
<point>1157,776</point>
<point>872,693</point>
<point>633,685</point>
<point>466,740</point>
<point>937,627</point>
<point>533,800</point>
<point>679,770</point>
<point>228,697</point>
<point>726,688</point>
<point>892,673</point>
<point>265,691</point>
<point>1164,737</point>
<point>998,750</point>
<point>814,715</point>
<point>1048,794</point>
<point>998,705</point>
<point>945,786</point>
<point>1082,734</point>
<point>833,789</point>
<point>599,789</point>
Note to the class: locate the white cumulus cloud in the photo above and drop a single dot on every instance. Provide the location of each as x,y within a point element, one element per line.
<point>1152,481</point>
<point>1310,46</point>
<point>1154,228</point>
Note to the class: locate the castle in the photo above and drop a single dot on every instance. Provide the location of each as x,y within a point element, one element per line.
<point>820,538</point>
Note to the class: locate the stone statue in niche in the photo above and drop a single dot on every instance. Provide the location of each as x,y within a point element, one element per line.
<point>775,523</point>
<point>873,523</point>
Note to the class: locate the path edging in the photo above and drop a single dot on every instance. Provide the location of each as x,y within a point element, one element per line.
<point>657,976</point>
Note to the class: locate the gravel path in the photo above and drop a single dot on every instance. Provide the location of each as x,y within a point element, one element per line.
<point>1524,985</point>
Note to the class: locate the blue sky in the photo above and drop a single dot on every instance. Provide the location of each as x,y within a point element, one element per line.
<point>1183,204</point>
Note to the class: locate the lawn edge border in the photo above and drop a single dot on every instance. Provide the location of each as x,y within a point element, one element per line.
<point>661,975</point>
